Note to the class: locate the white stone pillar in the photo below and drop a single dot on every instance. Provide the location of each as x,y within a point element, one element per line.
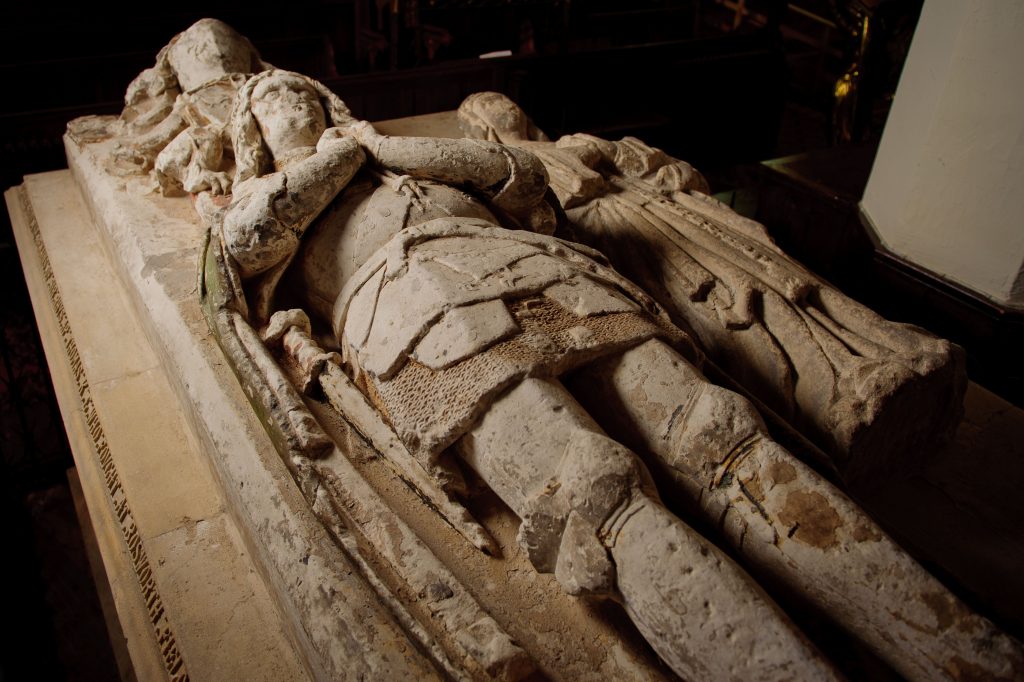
<point>947,188</point>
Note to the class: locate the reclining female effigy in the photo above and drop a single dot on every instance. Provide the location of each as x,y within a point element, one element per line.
<point>876,395</point>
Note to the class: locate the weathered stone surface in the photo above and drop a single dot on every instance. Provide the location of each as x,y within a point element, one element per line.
<point>432,287</point>
<point>176,111</point>
<point>305,563</point>
<point>536,445</point>
<point>338,637</point>
<point>431,268</point>
<point>873,393</point>
<point>715,458</point>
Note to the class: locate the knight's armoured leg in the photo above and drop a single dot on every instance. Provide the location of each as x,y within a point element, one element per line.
<point>785,519</point>
<point>591,515</point>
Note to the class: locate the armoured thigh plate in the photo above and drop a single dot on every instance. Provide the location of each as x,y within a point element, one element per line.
<point>452,312</point>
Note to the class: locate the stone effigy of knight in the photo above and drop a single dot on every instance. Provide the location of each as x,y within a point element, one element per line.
<point>505,302</point>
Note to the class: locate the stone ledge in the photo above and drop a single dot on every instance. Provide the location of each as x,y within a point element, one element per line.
<point>144,481</point>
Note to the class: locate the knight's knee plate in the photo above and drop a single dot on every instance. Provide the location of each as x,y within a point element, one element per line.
<point>562,531</point>
<point>716,423</point>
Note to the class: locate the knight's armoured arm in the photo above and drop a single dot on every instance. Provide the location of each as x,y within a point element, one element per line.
<point>269,214</point>
<point>633,158</point>
<point>512,179</point>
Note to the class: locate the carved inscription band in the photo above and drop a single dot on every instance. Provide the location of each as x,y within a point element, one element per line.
<point>162,631</point>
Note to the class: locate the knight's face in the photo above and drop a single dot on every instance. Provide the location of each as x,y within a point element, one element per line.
<point>207,51</point>
<point>288,112</point>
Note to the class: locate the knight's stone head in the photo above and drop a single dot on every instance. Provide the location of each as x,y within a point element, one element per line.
<point>208,50</point>
<point>277,113</point>
<point>493,116</point>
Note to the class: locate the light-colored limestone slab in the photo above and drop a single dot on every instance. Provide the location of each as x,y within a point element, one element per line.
<point>146,656</point>
<point>140,416</point>
<point>132,445</point>
<point>221,626</point>
<point>108,343</point>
